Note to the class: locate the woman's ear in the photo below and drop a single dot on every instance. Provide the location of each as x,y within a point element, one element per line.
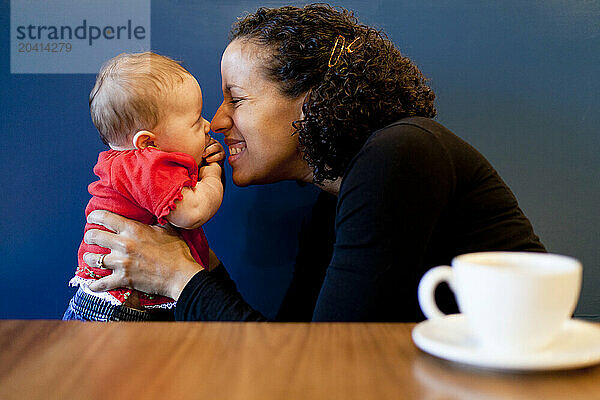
<point>305,100</point>
<point>143,139</point>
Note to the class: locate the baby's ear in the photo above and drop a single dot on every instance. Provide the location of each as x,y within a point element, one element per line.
<point>143,139</point>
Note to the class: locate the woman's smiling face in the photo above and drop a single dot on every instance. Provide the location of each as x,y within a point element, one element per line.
<point>256,120</point>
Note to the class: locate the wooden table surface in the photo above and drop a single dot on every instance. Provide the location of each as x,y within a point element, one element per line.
<point>74,360</point>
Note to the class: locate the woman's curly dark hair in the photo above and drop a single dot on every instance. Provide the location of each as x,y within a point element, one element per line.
<point>365,90</point>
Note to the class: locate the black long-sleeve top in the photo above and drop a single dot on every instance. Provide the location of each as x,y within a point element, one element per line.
<point>414,197</point>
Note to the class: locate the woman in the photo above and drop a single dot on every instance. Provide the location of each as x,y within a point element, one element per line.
<point>312,95</point>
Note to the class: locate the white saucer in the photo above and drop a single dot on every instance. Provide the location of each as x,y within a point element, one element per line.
<point>577,346</point>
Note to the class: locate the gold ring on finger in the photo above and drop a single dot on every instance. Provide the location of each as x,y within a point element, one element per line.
<point>100,261</point>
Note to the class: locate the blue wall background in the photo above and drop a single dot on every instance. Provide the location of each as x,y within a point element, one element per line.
<point>518,80</point>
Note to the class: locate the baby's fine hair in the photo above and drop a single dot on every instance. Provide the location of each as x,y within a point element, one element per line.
<point>128,89</point>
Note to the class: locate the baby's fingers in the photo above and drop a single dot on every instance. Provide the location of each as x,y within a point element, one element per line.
<point>213,148</point>
<point>214,152</point>
<point>215,157</point>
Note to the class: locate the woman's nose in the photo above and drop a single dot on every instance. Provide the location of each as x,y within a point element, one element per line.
<point>221,122</point>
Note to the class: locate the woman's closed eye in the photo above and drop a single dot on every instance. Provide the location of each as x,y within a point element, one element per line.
<point>236,100</point>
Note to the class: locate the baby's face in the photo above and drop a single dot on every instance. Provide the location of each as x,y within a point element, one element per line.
<point>183,129</point>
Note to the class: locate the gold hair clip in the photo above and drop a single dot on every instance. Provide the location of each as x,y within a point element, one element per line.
<point>348,49</point>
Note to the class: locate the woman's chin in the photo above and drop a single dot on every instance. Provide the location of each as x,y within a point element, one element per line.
<point>240,182</point>
<point>243,180</point>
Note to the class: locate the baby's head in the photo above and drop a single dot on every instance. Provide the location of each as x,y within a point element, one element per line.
<point>146,99</point>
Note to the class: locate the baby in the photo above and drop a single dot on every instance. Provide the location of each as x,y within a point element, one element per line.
<point>162,167</point>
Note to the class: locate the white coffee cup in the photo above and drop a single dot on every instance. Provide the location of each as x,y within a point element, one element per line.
<point>512,301</point>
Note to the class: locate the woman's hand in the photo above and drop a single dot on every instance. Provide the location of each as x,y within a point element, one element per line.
<point>152,259</point>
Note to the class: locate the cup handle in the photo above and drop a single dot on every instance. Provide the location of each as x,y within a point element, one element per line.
<point>426,292</point>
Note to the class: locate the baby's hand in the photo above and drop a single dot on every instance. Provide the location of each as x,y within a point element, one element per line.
<point>212,169</point>
<point>213,152</point>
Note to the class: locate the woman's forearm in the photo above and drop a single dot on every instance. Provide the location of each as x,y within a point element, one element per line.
<point>213,296</point>
<point>181,277</point>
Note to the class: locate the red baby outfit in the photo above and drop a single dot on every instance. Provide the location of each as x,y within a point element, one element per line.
<point>142,185</point>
